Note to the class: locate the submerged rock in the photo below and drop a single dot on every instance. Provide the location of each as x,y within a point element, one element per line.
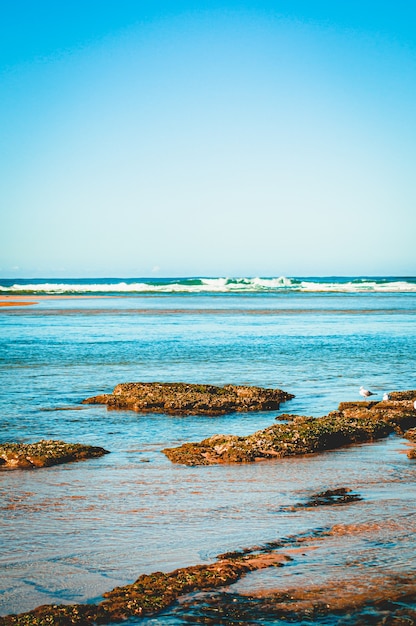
<point>411,434</point>
<point>150,594</point>
<point>387,602</point>
<point>153,593</point>
<point>44,454</point>
<point>331,497</point>
<point>355,422</point>
<point>188,399</point>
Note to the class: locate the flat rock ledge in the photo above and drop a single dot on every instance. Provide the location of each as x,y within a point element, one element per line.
<point>150,594</point>
<point>189,399</point>
<point>44,454</point>
<point>411,436</point>
<point>354,422</point>
<point>153,593</point>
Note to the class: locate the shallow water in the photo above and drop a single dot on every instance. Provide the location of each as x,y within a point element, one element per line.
<point>72,532</point>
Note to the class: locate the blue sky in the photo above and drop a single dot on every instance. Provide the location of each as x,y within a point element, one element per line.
<point>195,138</point>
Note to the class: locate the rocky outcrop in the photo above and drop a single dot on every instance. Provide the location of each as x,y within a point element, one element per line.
<point>330,497</point>
<point>400,414</point>
<point>354,422</point>
<point>403,395</point>
<point>44,454</point>
<point>150,594</point>
<point>411,436</point>
<point>215,604</point>
<point>384,601</point>
<point>188,399</point>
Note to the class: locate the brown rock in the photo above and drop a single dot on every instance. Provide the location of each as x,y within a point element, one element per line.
<point>411,434</point>
<point>403,395</point>
<point>400,413</point>
<point>44,454</point>
<point>330,497</point>
<point>150,594</point>
<point>188,399</point>
<point>357,422</point>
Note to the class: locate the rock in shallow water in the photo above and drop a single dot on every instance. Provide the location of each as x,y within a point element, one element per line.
<point>44,453</point>
<point>189,399</point>
<point>331,497</point>
<point>354,422</point>
<point>213,603</point>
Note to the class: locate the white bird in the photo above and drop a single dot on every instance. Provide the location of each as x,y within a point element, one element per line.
<point>386,397</point>
<point>414,405</point>
<point>365,392</point>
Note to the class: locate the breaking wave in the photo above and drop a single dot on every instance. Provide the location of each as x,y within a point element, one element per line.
<point>109,286</point>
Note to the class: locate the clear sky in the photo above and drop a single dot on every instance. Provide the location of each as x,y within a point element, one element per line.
<point>184,138</point>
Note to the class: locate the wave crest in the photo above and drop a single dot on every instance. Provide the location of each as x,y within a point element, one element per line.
<point>210,285</point>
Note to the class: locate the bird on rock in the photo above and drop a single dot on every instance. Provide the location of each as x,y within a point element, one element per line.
<point>386,397</point>
<point>365,393</point>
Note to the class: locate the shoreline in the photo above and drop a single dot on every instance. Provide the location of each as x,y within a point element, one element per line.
<point>15,303</point>
<point>12,300</point>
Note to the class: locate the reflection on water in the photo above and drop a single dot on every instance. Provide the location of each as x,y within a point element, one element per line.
<point>72,532</point>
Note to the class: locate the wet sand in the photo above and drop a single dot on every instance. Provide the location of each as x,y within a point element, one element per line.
<point>27,300</point>
<point>15,303</point>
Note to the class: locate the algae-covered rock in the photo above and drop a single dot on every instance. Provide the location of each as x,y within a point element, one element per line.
<point>356,423</point>
<point>403,395</point>
<point>399,413</point>
<point>150,594</point>
<point>189,399</point>
<point>44,453</point>
<point>331,497</point>
<point>411,434</point>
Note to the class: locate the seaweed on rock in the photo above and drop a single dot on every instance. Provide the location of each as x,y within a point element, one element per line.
<point>45,453</point>
<point>191,399</point>
<point>354,422</point>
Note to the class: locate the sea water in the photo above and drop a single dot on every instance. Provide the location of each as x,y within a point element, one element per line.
<point>71,532</point>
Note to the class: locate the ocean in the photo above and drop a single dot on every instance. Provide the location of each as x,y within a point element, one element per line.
<point>72,532</point>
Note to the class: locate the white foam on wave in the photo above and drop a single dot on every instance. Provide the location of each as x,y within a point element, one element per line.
<point>59,288</point>
<point>198,285</point>
<point>359,287</point>
<point>248,284</point>
<point>218,285</point>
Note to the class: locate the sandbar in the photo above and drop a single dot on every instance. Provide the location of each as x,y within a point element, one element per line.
<point>12,300</point>
<point>16,302</point>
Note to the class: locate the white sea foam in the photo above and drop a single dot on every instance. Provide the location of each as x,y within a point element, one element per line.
<point>358,287</point>
<point>217,285</point>
<point>59,288</point>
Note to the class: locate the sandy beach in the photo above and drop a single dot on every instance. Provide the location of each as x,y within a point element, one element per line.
<point>15,301</point>
<point>9,300</point>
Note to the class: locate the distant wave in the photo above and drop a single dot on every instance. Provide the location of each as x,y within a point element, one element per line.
<point>209,285</point>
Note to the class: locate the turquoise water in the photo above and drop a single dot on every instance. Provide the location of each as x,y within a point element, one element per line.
<point>71,532</point>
